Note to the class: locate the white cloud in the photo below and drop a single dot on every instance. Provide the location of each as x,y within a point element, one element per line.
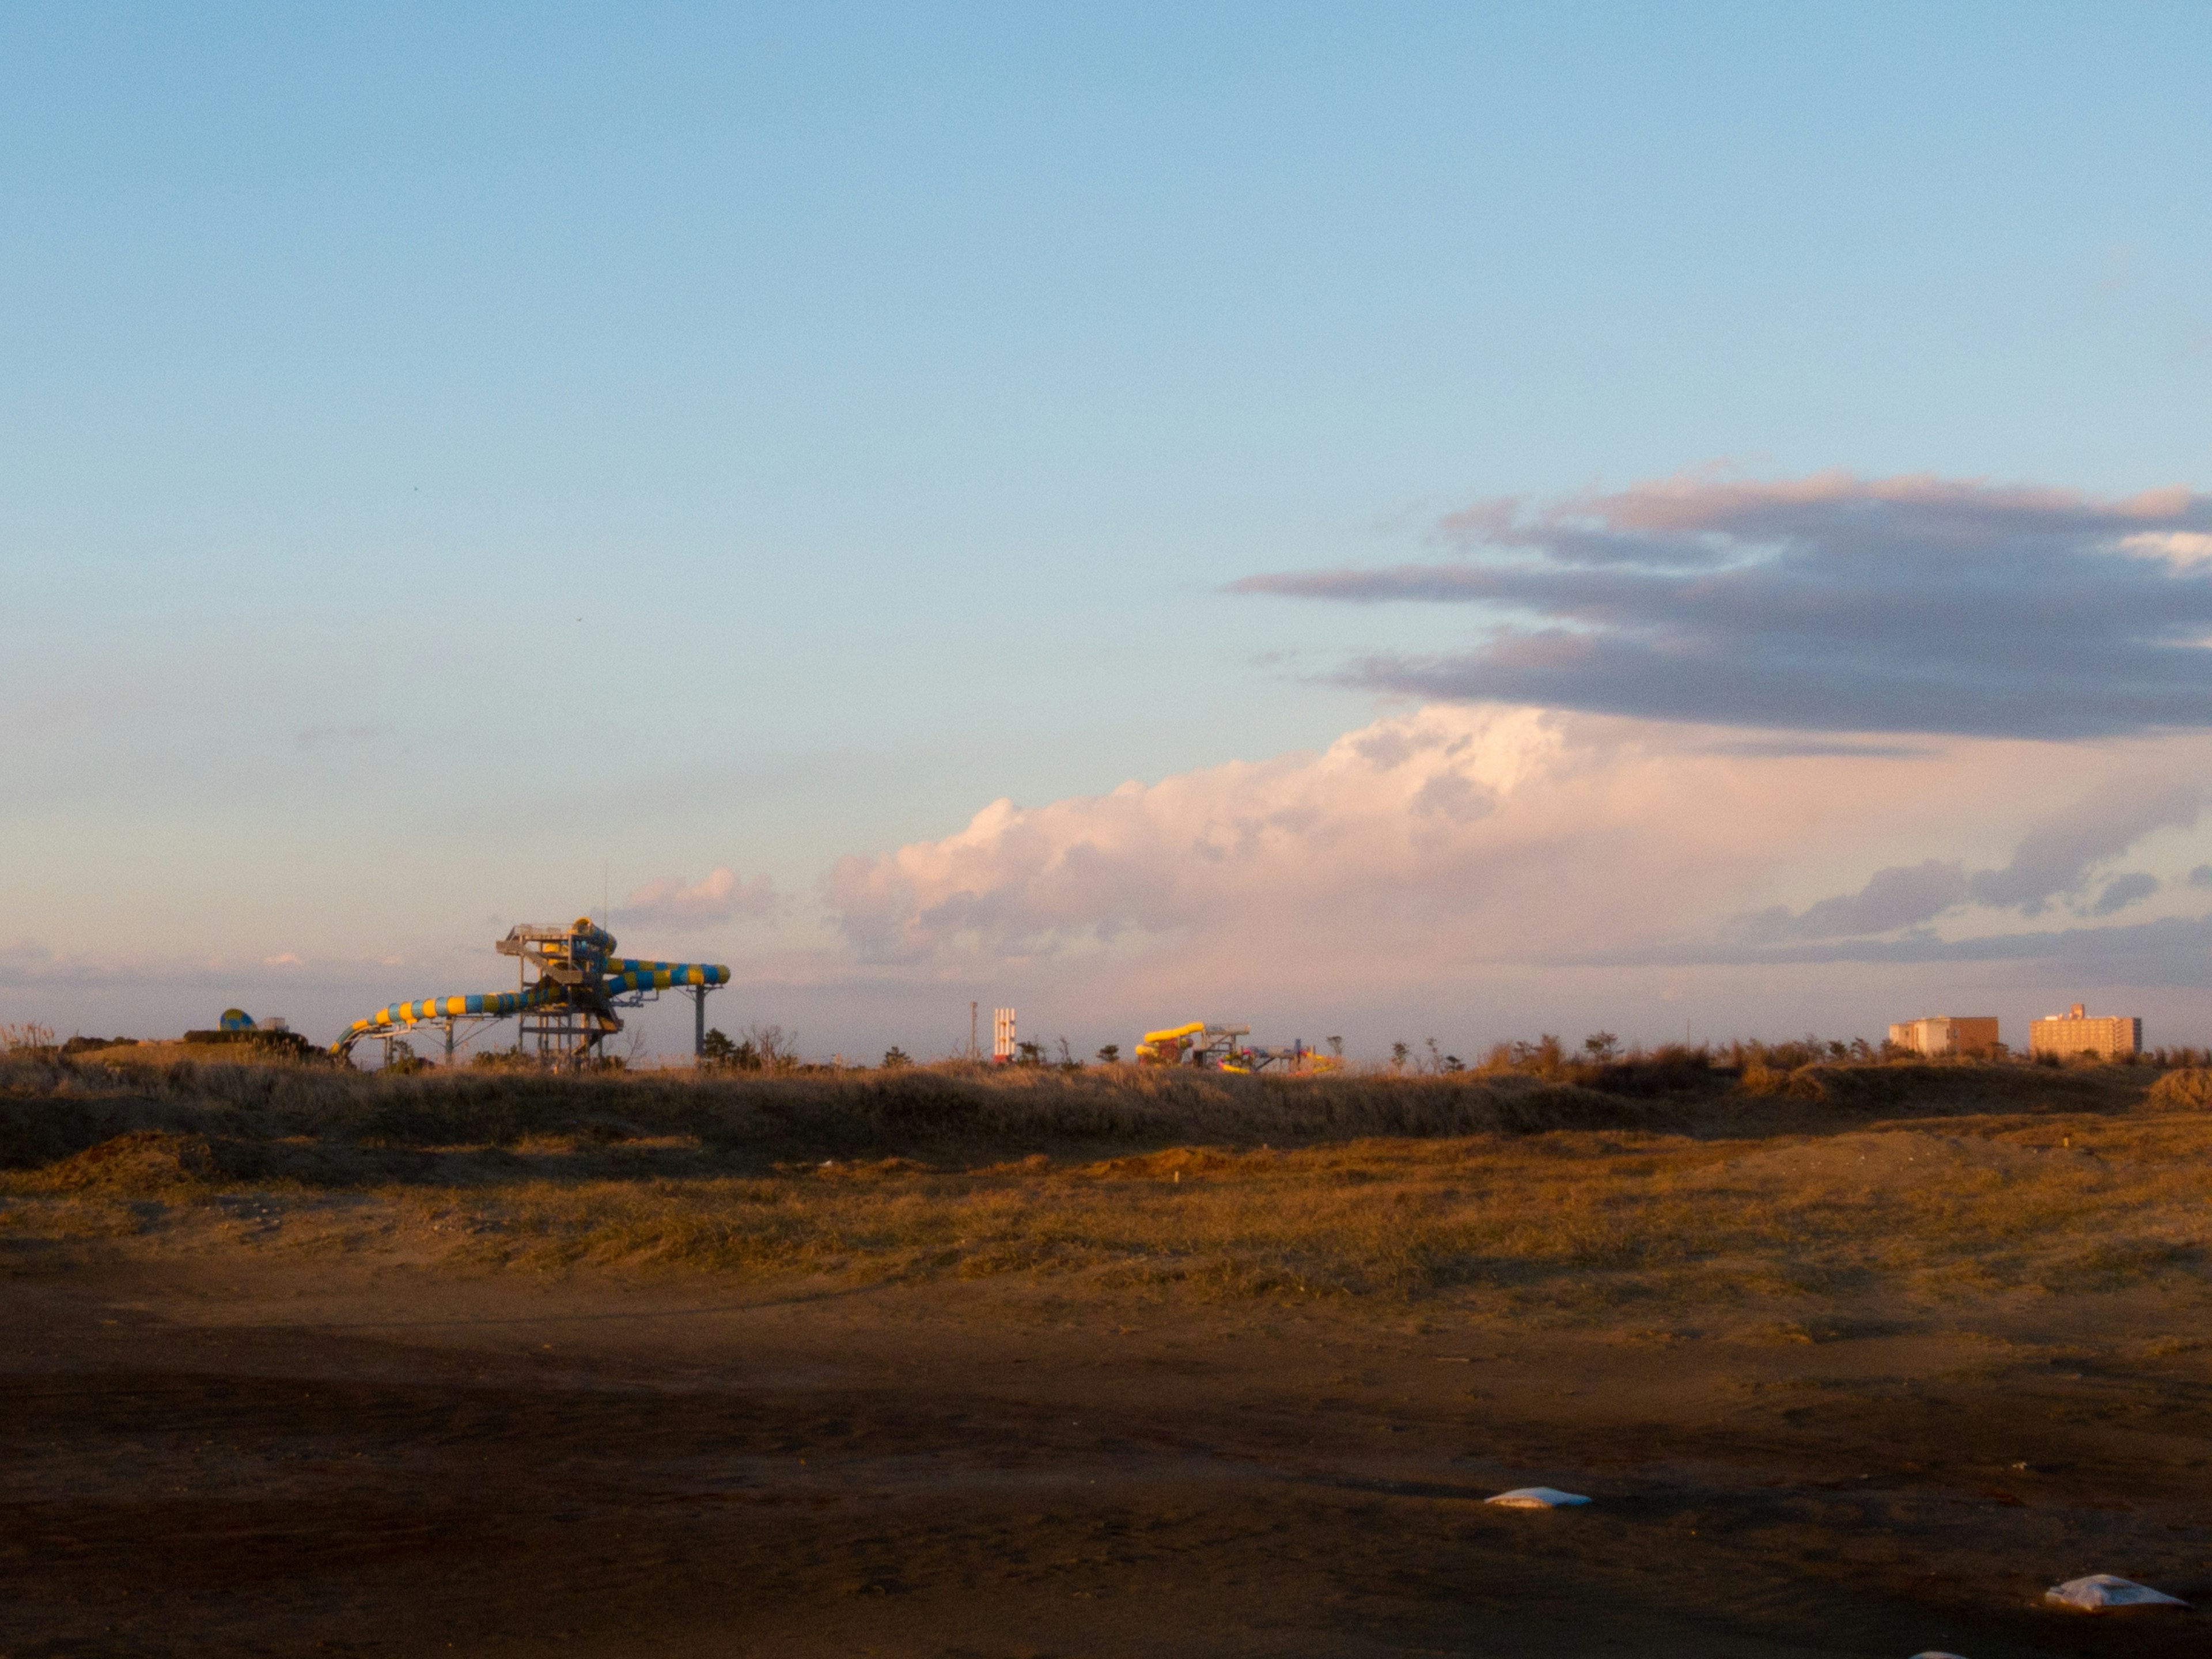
<point>1477,870</point>
<point>1457,842</point>
<point>673,904</point>
<point>2181,548</point>
<point>1225,846</point>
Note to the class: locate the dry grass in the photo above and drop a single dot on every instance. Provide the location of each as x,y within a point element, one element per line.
<point>1904,1184</point>
<point>1567,1220</point>
<point>50,1106</point>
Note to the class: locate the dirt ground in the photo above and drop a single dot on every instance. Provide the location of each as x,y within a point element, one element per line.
<point>234,1452</point>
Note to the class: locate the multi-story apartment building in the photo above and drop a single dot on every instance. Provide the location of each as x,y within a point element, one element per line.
<point>2074,1032</point>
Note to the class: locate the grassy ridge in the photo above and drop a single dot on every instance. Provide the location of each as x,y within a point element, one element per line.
<point>52,1106</point>
<point>1610,1197</point>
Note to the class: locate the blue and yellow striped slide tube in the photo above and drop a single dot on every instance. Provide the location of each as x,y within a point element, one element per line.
<point>492,1005</point>
<point>629,974</point>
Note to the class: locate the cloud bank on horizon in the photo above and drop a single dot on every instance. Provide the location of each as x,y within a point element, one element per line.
<point>1764,731</point>
<point>1690,757</point>
<point>1822,604</point>
<point>1458,841</point>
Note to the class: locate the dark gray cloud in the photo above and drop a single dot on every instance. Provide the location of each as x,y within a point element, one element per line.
<point>1903,895</point>
<point>2058,859</point>
<point>2057,856</point>
<point>1824,604</point>
<point>2122,890</point>
<point>2173,951</point>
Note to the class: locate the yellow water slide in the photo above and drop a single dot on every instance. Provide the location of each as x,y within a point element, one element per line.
<point>1168,1048</point>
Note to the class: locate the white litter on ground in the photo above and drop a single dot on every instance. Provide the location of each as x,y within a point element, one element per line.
<point>1536,1498</point>
<point>2100,1590</point>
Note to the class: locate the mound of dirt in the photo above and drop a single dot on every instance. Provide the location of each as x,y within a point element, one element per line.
<point>141,1161</point>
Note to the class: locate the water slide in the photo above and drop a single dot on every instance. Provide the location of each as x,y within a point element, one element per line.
<point>629,974</point>
<point>1166,1047</point>
<point>576,969</point>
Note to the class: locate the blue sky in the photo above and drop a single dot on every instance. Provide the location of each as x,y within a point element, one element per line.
<point>455,460</point>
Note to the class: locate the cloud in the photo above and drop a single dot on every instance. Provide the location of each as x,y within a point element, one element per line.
<point>1432,848</point>
<point>1899,896</point>
<point>2183,549</point>
<point>1793,748</point>
<point>1480,846</point>
<point>2056,859</point>
<point>1381,814</point>
<point>26,962</point>
<point>673,904</point>
<point>1824,604</point>
<point>2057,856</point>
<point>29,964</point>
<point>2169,951</point>
<point>1480,870</point>
<point>2123,890</point>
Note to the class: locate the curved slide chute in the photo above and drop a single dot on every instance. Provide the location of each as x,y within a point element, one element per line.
<point>629,974</point>
<point>577,973</point>
<point>493,1004</point>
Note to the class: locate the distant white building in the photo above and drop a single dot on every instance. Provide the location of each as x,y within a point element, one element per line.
<point>1947,1034</point>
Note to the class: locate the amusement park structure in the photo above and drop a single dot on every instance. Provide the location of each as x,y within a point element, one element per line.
<point>1215,1047</point>
<point>565,1009</point>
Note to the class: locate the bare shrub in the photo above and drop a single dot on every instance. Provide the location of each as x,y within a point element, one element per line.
<point>775,1050</point>
<point>31,1038</point>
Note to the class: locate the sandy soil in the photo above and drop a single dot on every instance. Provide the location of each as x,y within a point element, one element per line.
<point>249,1454</point>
